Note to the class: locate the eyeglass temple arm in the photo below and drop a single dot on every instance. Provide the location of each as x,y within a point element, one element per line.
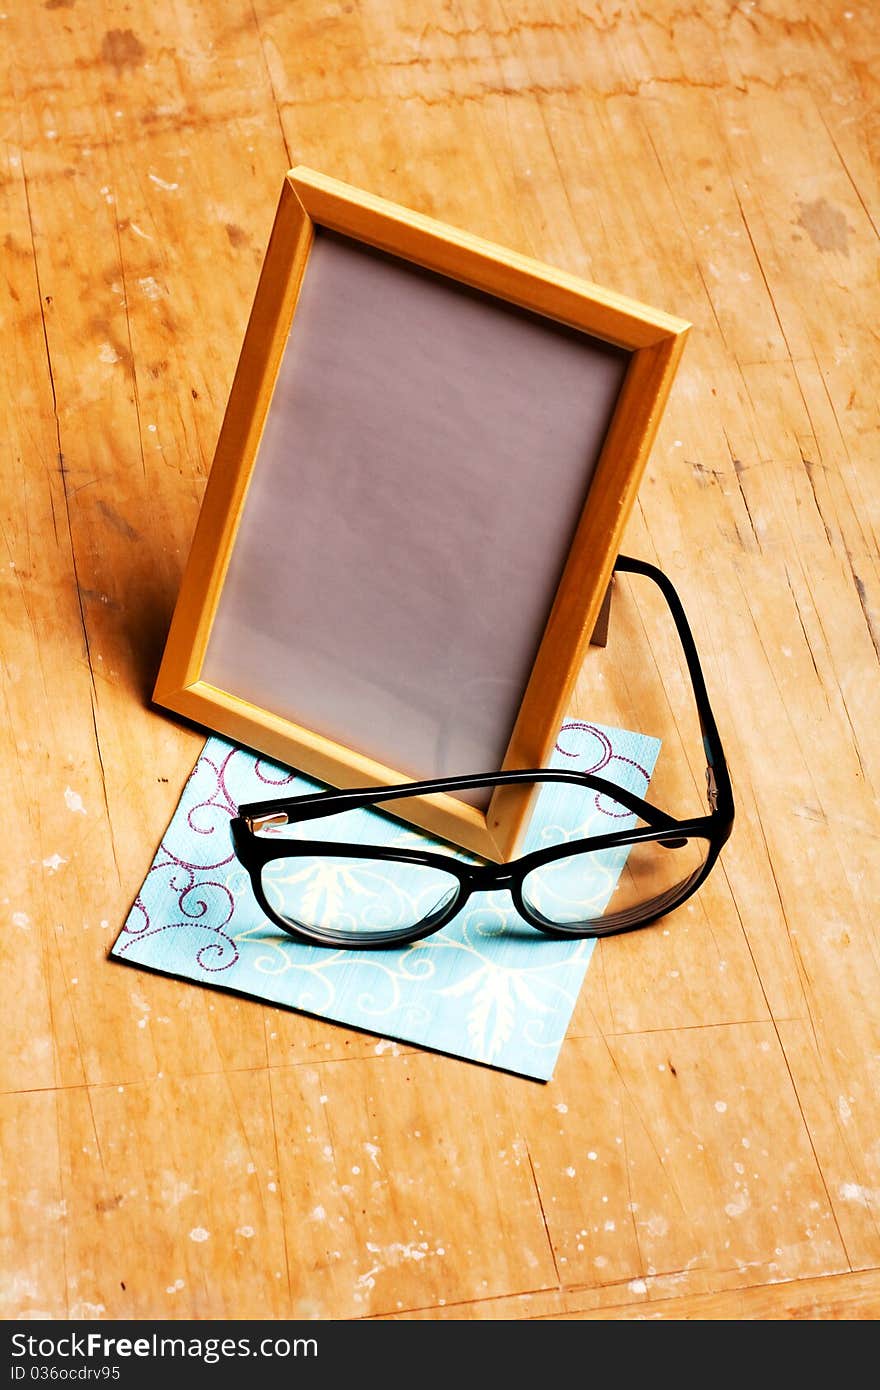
<point>314,806</point>
<point>717,775</point>
<point>328,803</point>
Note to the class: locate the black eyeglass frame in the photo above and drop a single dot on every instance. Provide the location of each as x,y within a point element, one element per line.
<point>254,851</point>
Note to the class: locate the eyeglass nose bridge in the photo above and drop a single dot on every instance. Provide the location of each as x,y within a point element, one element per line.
<point>490,876</point>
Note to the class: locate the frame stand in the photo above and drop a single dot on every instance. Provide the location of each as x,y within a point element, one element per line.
<point>600,631</point>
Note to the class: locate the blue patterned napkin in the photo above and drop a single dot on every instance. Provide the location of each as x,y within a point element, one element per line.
<point>487,987</point>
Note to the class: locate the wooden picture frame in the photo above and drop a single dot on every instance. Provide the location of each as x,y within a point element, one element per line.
<point>472,285</point>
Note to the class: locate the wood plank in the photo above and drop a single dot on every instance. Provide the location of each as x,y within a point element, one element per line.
<point>175,1230</point>
<point>385,1187</point>
<point>683,1169</point>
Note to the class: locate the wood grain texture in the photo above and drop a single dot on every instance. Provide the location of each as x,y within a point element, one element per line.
<point>719,161</point>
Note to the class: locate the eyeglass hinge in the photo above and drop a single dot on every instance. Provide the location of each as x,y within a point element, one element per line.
<point>257,823</point>
<point>712,788</point>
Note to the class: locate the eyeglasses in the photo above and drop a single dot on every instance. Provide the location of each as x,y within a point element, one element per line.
<point>330,893</point>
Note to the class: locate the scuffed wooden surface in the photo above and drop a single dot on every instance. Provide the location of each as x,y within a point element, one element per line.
<point>710,1146</point>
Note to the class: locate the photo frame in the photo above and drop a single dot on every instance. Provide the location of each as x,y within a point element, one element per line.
<point>429,454</point>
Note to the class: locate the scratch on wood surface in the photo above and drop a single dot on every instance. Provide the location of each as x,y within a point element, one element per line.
<point>738,469</point>
<point>859,510</point>
<point>807,643</point>
<point>670,1177</point>
<point>837,420</point>
<point>132,359</point>
<point>597,967</point>
<point>809,1137</point>
<point>276,103</point>
<point>708,293</point>
<point>856,1159</point>
<point>687,1027</point>
<point>93,694</point>
<point>846,169</point>
<point>630,1204</point>
<point>808,469</point>
<point>803,974</point>
<point>243,1125</point>
<point>870,621</point>
<point>838,686</point>
<point>760,265</point>
<point>278,1170</point>
<point>59,1140</point>
<point>771,669</point>
<point>543,1213</point>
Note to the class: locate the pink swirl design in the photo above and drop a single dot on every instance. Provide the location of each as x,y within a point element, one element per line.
<point>272,781</point>
<point>605,758</point>
<point>196,896</point>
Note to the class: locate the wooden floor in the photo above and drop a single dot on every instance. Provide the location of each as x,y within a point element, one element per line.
<point>710,1145</point>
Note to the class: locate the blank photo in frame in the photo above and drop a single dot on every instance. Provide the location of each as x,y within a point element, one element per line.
<point>429,453</point>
